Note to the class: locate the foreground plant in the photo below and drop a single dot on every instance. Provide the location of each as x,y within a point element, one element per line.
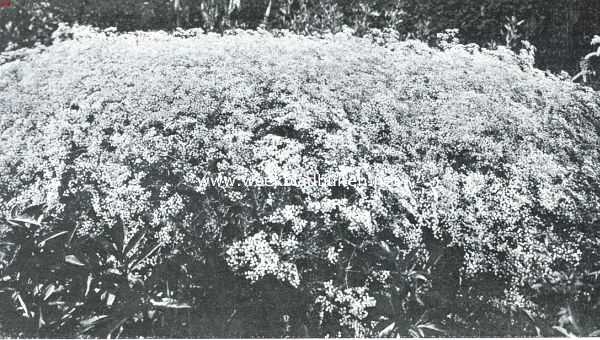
<point>60,283</point>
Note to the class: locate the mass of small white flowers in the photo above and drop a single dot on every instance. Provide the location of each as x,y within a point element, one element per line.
<point>407,231</point>
<point>333,255</point>
<point>349,305</point>
<point>381,276</point>
<point>360,219</point>
<point>514,298</point>
<point>163,219</point>
<point>255,258</point>
<point>289,213</point>
<point>480,158</point>
<point>326,207</point>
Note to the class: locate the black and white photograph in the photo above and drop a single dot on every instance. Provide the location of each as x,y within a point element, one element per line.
<point>191,169</point>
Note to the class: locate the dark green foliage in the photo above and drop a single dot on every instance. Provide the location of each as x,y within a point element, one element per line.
<point>61,284</point>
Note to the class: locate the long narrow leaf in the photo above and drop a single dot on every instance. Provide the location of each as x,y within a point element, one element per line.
<point>93,322</point>
<point>25,220</point>
<point>88,285</point>
<point>564,332</point>
<point>133,242</point>
<point>134,264</point>
<point>49,291</point>
<point>387,330</point>
<point>72,235</point>
<point>170,304</point>
<point>432,327</point>
<point>72,259</point>
<point>116,326</point>
<point>117,234</point>
<point>23,305</point>
<point>43,242</point>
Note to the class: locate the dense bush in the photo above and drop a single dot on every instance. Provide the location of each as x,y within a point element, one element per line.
<point>107,141</point>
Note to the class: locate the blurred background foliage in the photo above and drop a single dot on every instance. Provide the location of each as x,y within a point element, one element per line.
<point>561,30</point>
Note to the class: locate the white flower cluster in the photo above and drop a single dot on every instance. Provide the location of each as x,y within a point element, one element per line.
<point>326,207</point>
<point>168,234</point>
<point>333,254</point>
<point>448,38</point>
<point>349,304</point>
<point>289,213</point>
<point>255,258</point>
<point>360,219</point>
<point>381,276</point>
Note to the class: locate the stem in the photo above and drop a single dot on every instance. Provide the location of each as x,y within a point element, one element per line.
<point>268,12</point>
<point>177,9</point>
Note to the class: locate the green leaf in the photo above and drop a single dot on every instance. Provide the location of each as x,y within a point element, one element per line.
<point>72,235</point>
<point>117,234</point>
<point>110,299</point>
<point>133,242</point>
<point>431,326</point>
<point>116,325</point>
<point>50,289</point>
<point>564,332</point>
<point>43,242</point>
<point>92,322</point>
<point>41,321</point>
<point>421,277</point>
<point>152,251</point>
<point>88,285</point>
<point>72,259</point>
<point>415,333</point>
<point>170,303</point>
<point>387,330</point>
<point>418,299</point>
<point>22,222</point>
<point>18,297</point>
<point>385,247</point>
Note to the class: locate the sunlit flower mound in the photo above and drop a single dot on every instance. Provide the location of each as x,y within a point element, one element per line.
<point>500,162</point>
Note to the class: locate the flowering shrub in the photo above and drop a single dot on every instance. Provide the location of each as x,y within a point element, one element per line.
<point>560,29</point>
<point>351,306</point>
<point>447,39</point>
<point>256,258</point>
<point>500,164</point>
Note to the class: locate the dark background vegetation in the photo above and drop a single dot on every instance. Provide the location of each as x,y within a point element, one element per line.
<point>560,29</point>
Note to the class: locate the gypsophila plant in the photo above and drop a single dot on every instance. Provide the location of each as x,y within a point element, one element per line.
<point>495,171</point>
<point>257,256</point>
<point>447,39</point>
